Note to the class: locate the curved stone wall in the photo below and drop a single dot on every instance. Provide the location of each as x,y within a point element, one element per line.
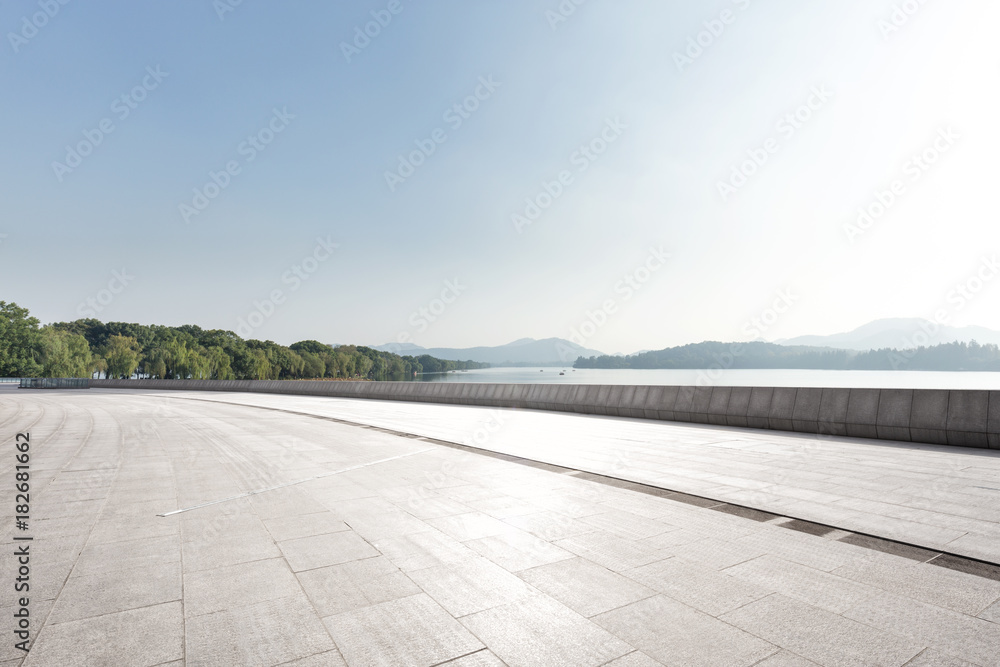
<point>963,418</point>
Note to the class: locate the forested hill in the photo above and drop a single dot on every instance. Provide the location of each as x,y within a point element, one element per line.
<point>945,357</point>
<point>88,347</point>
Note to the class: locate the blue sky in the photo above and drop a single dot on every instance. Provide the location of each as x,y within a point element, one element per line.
<point>665,124</point>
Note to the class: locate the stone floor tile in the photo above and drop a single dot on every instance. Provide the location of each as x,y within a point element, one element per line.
<point>141,637</point>
<point>676,634</point>
<point>634,659</point>
<point>305,525</point>
<point>469,526</point>
<point>550,526</point>
<point>307,553</point>
<point>471,585</point>
<point>209,591</point>
<point>516,550</point>
<point>822,636</point>
<point>422,550</point>
<point>410,631</point>
<point>483,658</point>
<point>939,586</point>
<point>514,633</point>
<point>700,587</point>
<point>931,658</point>
<point>110,592</point>
<point>949,632</point>
<point>356,584</point>
<point>230,548</point>
<point>628,525</point>
<point>815,587</point>
<point>785,659</point>
<point>324,659</point>
<point>715,553</point>
<point>290,501</point>
<point>992,613</point>
<point>613,552</point>
<point>149,553</point>
<point>257,635</point>
<point>585,587</point>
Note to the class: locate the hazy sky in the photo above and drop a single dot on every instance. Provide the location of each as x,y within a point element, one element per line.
<point>212,155</point>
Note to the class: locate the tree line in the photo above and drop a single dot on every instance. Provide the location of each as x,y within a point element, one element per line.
<point>88,348</point>
<point>944,357</point>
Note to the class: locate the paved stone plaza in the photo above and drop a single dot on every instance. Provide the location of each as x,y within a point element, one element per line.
<point>369,546</point>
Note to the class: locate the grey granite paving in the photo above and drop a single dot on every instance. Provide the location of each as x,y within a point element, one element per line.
<point>413,630</point>
<point>445,557</point>
<point>586,587</point>
<point>922,494</point>
<point>674,633</point>
<point>822,636</point>
<point>517,633</point>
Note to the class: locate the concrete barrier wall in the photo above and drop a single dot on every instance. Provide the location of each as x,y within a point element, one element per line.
<point>962,418</point>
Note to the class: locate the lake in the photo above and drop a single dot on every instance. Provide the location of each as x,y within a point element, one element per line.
<point>733,377</point>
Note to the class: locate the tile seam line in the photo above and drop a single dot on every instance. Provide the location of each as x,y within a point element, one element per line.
<point>490,452</point>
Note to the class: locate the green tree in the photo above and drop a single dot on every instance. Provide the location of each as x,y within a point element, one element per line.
<point>20,342</point>
<point>65,354</point>
<point>122,356</point>
<point>199,365</point>
<point>315,367</point>
<point>260,367</point>
<point>219,363</point>
<point>100,365</point>
<point>175,356</point>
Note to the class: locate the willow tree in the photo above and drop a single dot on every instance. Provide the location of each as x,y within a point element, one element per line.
<point>122,356</point>
<point>65,354</point>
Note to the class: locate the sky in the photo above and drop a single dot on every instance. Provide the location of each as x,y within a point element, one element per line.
<point>630,175</point>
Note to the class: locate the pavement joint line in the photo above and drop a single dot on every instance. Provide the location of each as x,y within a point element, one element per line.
<point>615,481</point>
<point>457,658</point>
<point>293,483</point>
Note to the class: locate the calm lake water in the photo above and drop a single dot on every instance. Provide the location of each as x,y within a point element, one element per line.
<point>733,377</point>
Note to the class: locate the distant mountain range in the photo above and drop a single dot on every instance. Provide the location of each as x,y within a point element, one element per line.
<point>522,352</point>
<point>899,333</point>
<point>896,333</point>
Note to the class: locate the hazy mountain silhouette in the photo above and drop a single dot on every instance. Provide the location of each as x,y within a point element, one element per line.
<point>899,333</point>
<point>524,351</point>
